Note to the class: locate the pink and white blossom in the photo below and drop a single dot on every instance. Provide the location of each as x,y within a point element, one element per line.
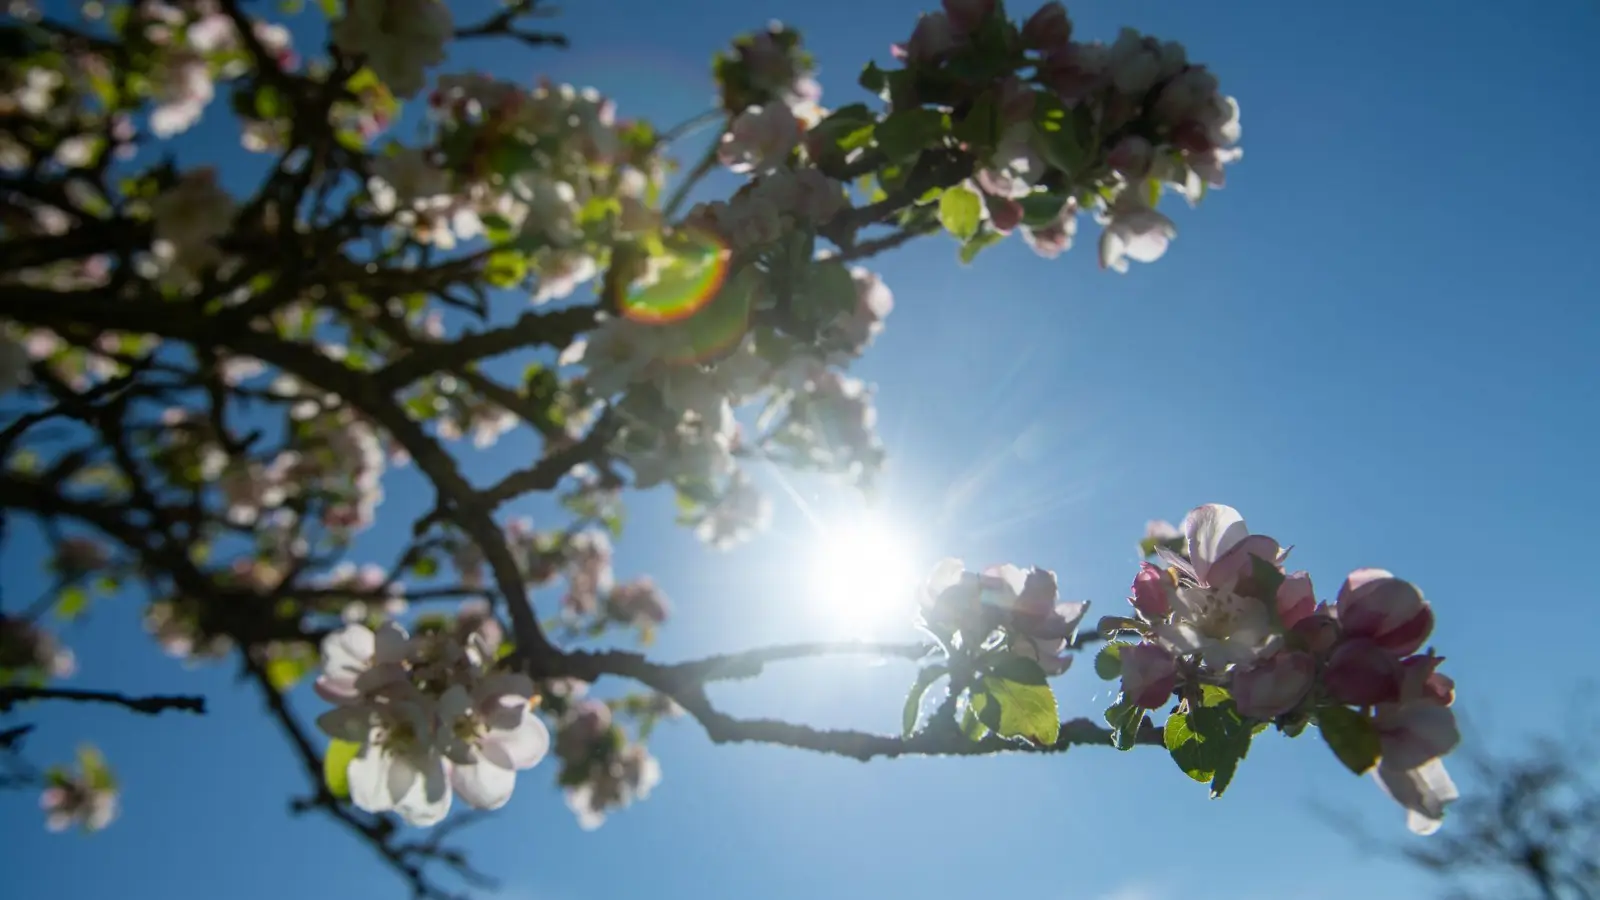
<point>760,138</point>
<point>188,219</point>
<point>1135,232</point>
<point>397,39</point>
<point>1390,612</point>
<point>1149,674</point>
<point>1273,686</point>
<point>1048,29</point>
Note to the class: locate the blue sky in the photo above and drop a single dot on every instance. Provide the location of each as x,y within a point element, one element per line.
<point>1373,342</point>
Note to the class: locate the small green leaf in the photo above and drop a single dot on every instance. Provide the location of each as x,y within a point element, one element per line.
<point>925,679</point>
<point>1214,695</point>
<point>960,211</point>
<point>979,242</point>
<point>971,722</point>
<point>336,767</point>
<point>872,78</point>
<point>505,268</point>
<point>1062,135</point>
<point>980,128</point>
<point>1207,743</point>
<point>1268,578</point>
<point>1125,720</point>
<point>1152,188</point>
<point>425,567</point>
<point>285,672</point>
<point>1108,662</point>
<point>1041,209</point>
<point>71,603</point>
<point>902,135</point>
<point>1027,705</point>
<point>1351,736</point>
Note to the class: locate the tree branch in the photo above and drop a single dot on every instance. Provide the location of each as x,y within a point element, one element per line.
<point>149,706</point>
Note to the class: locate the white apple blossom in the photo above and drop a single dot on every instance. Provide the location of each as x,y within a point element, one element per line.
<point>398,39</point>
<point>1211,615</point>
<point>1016,166</point>
<point>432,719</point>
<point>188,218</point>
<point>81,800</point>
<point>741,511</point>
<point>760,138</point>
<point>182,89</point>
<point>1424,792</point>
<point>1135,231</point>
<point>615,354</point>
<point>404,178</point>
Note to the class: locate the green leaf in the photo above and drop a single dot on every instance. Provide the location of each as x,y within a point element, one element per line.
<point>1041,209</point>
<point>1108,662</point>
<point>872,78</point>
<point>268,103</point>
<point>979,242</point>
<point>1152,188</point>
<point>505,269</point>
<point>960,211</point>
<point>336,767</point>
<point>1351,736</point>
<point>1062,136</point>
<point>980,128</point>
<point>1213,695</point>
<point>827,293</point>
<point>1268,578</point>
<point>285,672</point>
<point>925,679</point>
<point>1027,705</point>
<point>971,721</point>
<point>902,135</point>
<point>1207,743</point>
<point>1125,720</point>
<point>71,603</point>
<point>425,567</point>
<point>986,709</point>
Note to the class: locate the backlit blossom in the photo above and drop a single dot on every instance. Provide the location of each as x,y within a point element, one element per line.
<point>1374,604</point>
<point>1149,674</point>
<point>761,137</point>
<point>188,218</point>
<point>87,797</point>
<point>1273,686</point>
<point>1135,232</point>
<point>397,39</point>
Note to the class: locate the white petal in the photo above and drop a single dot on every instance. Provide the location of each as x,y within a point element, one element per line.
<point>483,785</point>
<point>391,644</point>
<point>401,778</point>
<point>369,779</point>
<point>505,684</point>
<point>520,747</point>
<point>454,703</point>
<point>1112,251</point>
<point>428,801</point>
<point>351,647</point>
<point>946,574</point>
<point>347,723</point>
<point>1210,531</point>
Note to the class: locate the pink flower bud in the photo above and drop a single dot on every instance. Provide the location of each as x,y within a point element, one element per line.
<point>1047,29</point>
<point>1149,675</point>
<point>1273,686</point>
<point>931,40</point>
<point>1004,214</point>
<point>1411,734</point>
<point>1318,632</point>
<point>1419,681</point>
<point>1152,592</point>
<point>1362,673</point>
<point>1375,604</point>
<point>1131,156</point>
<point>967,16</point>
<point>1296,599</point>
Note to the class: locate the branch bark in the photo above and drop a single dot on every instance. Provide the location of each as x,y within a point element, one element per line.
<point>150,706</point>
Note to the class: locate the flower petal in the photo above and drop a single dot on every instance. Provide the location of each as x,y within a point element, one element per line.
<point>1424,792</point>
<point>518,747</point>
<point>428,801</point>
<point>946,574</point>
<point>483,784</point>
<point>1210,531</point>
<point>401,778</point>
<point>391,644</point>
<point>351,647</point>
<point>369,779</point>
<point>347,723</point>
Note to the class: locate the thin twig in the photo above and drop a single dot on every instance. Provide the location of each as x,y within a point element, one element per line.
<point>149,706</point>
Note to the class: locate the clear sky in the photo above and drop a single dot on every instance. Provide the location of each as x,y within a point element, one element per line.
<point>1375,342</point>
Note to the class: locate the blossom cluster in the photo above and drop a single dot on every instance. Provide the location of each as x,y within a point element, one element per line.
<point>88,797</point>
<point>964,609</point>
<point>1082,126</point>
<point>29,653</point>
<point>1225,612</point>
<point>601,770</point>
<point>431,716</point>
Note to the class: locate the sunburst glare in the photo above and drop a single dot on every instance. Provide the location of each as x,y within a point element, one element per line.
<point>864,573</point>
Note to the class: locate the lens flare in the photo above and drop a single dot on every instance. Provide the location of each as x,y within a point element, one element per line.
<point>688,277</point>
<point>717,326</point>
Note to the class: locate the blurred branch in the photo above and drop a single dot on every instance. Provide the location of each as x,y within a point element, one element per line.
<point>149,706</point>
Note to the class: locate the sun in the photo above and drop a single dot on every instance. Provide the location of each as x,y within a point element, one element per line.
<point>864,573</point>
